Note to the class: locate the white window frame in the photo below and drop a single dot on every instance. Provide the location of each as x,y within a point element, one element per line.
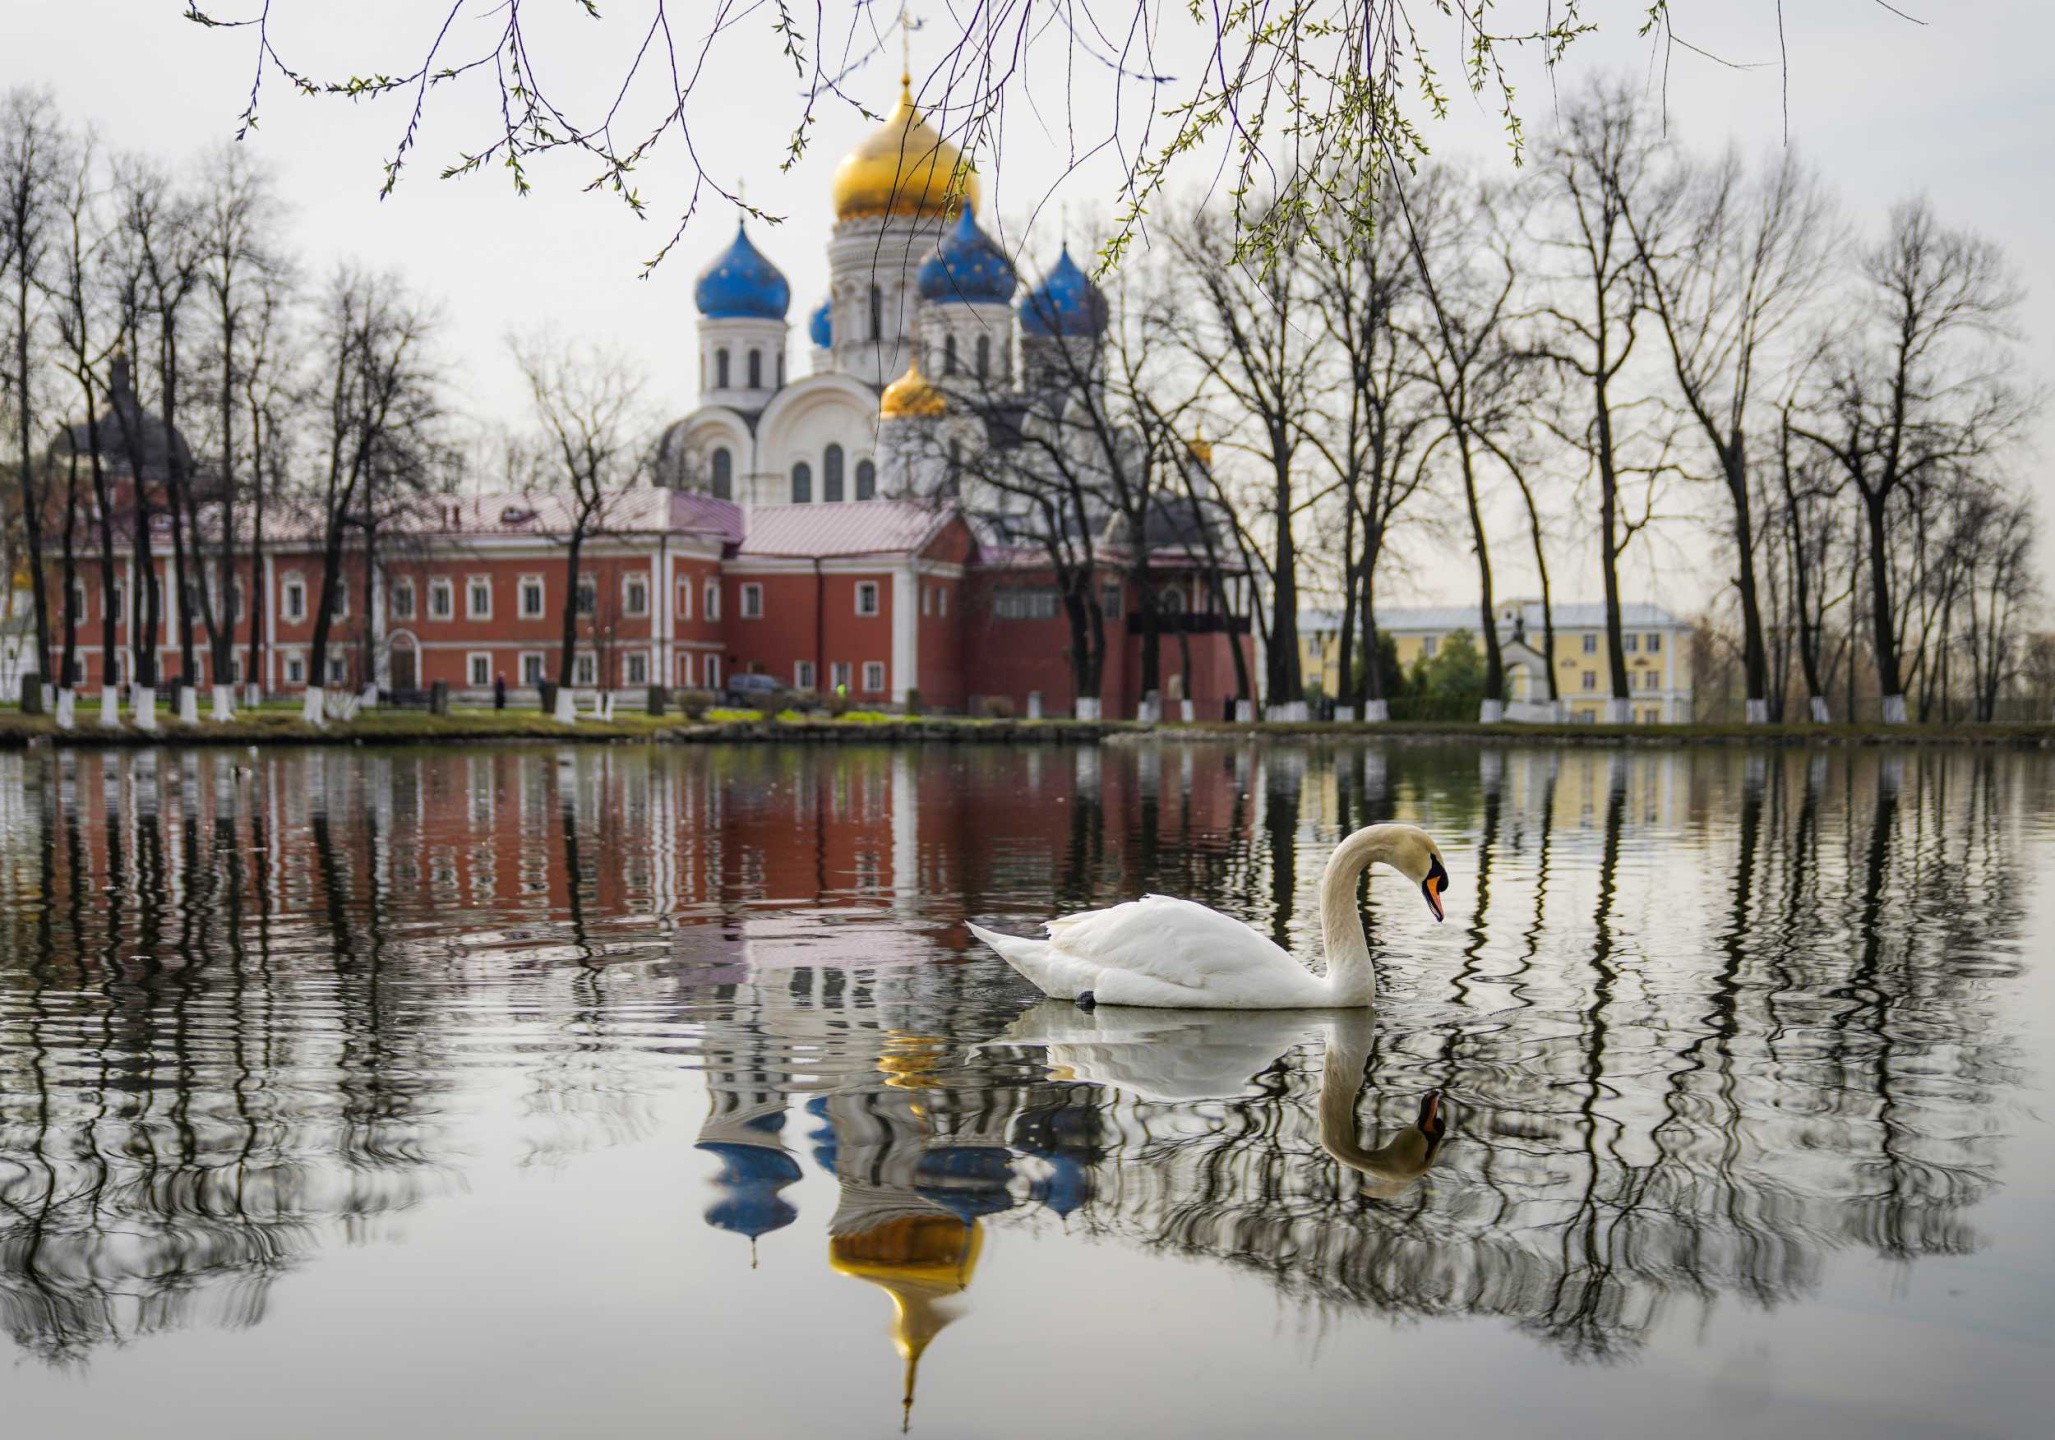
<point>1591,680</point>
<point>292,599</point>
<point>634,584</point>
<point>338,669</point>
<point>478,663</point>
<point>340,609</point>
<point>867,590</point>
<point>942,600</point>
<point>472,585</point>
<point>1655,644</point>
<point>684,599</point>
<point>443,590</point>
<point>713,600</point>
<point>927,599</point>
<point>1590,643</point>
<point>873,677</point>
<point>802,675</point>
<point>710,668</point>
<point>1427,647</point>
<point>683,663</point>
<point>838,676</point>
<point>1630,643</point>
<point>541,593</point>
<point>534,668</point>
<point>584,671</point>
<point>752,601</point>
<point>631,662</point>
<point>400,605</point>
<point>295,667</point>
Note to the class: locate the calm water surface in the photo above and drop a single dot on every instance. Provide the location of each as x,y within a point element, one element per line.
<point>658,1092</point>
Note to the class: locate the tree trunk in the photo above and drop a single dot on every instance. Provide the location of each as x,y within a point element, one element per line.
<point>567,650</point>
<point>1493,708</point>
<point>32,500</point>
<point>1890,688</point>
<point>259,591</point>
<point>1754,658</point>
<point>1286,682</point>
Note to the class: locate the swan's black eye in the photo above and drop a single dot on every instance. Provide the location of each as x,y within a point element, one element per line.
<point>1437,872</point>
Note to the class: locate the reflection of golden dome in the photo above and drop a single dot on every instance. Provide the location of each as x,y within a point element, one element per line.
<point>904,168</point>
<point>911,397</point>
<point>1200,448</point>
<point>920,1261</point>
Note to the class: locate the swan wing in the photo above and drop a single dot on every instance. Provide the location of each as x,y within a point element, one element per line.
<point>1183,946</point>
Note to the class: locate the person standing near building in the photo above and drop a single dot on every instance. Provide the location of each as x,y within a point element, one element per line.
<point>499,691</point>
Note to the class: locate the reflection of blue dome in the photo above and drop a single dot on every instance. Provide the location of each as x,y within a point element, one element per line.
<point>1067,1185</point>
<point>968,1181</point>
<point>967,266</point>
<point>742,285</point>
<point>821,326</point>
<point>1066,303</point>
<point>751,1176</point>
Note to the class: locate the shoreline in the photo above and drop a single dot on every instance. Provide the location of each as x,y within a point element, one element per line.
<point>413,727</point>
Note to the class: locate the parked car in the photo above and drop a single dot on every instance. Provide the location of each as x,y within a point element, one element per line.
<point>753,692</point>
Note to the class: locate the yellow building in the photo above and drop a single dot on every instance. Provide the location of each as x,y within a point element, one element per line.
<point>1656,643</point>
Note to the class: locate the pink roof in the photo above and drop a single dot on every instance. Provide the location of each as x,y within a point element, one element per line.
<point>855,527</point>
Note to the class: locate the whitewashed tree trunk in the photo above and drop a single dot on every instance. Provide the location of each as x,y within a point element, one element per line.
<point>1087,708</point>
<point>188,705</point>
<point>1034,705</point>
<point>1617,712</point>
<point>1820,714</point>
<point>1245,712</point>
<point>224,703</point>
<point>369,699</point>
<point>253,695</point>
<point>66,707</point>
<point>1894,710</point>
<point>1377,712</point>
<point>567,706</point>
<point>143,705</point>
<point>314,706</point>
<point>1185,712</point>
<point>1758,712</point>
<point>1490,712</point>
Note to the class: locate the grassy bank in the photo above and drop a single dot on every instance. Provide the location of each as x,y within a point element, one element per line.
<point>281,725</point>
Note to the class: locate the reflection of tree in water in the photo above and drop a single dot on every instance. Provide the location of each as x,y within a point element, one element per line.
<point>194,1090</point>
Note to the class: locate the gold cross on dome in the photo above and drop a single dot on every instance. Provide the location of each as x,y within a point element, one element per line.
<point>905,47</point>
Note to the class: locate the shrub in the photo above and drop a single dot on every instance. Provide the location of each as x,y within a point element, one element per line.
<point>996,707</point>
<point>913,702</point>
<point>695,703</point>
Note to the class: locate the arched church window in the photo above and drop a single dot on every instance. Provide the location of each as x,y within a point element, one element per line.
<point>721,368</point>
<point>1170,600</point>
<point>877,312</point>
<point>756,369</point>
<point>802,483</point>
<point>831,474</point>
<point>781,369</point>
<point>866,480</point>
<point>949,355</point>
<point>984,355</point>
<point>724,474</point>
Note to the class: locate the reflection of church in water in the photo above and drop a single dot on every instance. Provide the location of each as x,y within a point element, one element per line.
<point>920,1158</point>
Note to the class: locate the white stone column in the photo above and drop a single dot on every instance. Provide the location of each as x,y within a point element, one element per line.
<point>905,633</point>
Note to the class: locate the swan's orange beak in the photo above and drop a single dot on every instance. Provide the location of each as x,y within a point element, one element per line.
<point>1431,888</point>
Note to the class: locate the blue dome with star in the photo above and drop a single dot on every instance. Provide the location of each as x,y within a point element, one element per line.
<point>967,267</point>
<point>742,285</point>
<point>821,325</point>
<point>1066,303</point>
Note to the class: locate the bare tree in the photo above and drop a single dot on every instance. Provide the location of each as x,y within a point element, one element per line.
<point>1746,256</point>
<point>1465,355</point>
<point>588,405</point>
<point>1253,331</point>
<point>378,405</point>
<point>236,214</point>
<point>1373,425</point>
<point>1917,392</point>
<point>269,388</point>
<point>33,163</point>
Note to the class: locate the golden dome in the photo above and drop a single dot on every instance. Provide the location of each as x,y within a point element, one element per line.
<point>1200,448</point>
<point>911,397</point>
<point>921,1261</point>
<point>904,168</point>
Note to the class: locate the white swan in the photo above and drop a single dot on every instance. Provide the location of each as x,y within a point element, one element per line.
<point>1179,955</point>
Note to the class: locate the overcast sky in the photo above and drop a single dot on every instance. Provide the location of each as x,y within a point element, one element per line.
<point>1960,108</point>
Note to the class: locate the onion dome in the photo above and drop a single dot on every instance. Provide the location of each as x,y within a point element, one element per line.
<point>750,1179</point>
<point>904,168</point>
<point>1200,449</point>
<point>967,266</point>
<point>742,285</point>
<point>820,326</point>
<point>125,433</point>
<point>1067,303</point>
<point>912,397</point>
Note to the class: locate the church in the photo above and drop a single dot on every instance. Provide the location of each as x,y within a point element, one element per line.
<point>829,528</point>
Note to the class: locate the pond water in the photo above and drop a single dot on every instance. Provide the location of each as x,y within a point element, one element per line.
<point>656,1091</point>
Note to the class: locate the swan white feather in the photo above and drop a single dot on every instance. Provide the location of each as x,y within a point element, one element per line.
<point>1177,954</point>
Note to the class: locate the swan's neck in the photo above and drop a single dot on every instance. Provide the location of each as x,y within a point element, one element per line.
<point>1392,1165</point>
<point>1349,974</point>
